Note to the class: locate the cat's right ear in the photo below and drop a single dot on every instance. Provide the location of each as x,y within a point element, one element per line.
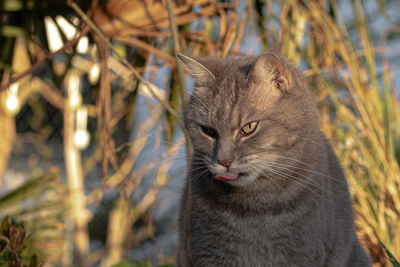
<point>198,71</point>
<point>270,68</point>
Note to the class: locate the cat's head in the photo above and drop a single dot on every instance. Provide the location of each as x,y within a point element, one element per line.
<point>248,118</point>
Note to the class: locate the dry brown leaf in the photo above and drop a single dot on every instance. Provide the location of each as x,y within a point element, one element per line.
<point>121,17</point>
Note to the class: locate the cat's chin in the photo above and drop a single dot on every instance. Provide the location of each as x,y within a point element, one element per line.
<point>239,180</point>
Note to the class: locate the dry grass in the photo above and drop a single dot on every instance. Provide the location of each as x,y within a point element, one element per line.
<point>360,113</point>
<point>353,83</point>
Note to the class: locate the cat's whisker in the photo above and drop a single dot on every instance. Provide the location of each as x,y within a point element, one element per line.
<point>308,182</point>
<point>282,169</point>
<point>299,182</point>
<point>307,139</point>
<point>312,171</point>
<point>200,174</point>
<point>291,198</point>
<point>285,165</point>
<point>198,167</point>
<point>260,172</point>
<point>284,175</point>
<point>288,167</point>
<point>300,162</point>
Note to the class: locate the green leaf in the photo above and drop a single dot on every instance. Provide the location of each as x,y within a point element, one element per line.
<point>120,48</point>
<point>5,226</point>
<point>12,5</point>
<point>382,8</point>
<point>6,256</point>
<point>30,190</point>
<point>174,95</point>
<point>135,263</point>
<point>392,259</point>
<point>4,66</point>
<point>123,264</point>
<point>12,31</point>
<point>17,5</point>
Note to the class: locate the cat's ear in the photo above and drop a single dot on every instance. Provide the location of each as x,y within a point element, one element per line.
<point>269,68</point>
<point>201,74</point>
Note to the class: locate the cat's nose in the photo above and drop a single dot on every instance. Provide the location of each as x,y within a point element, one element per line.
<point>225,163</point>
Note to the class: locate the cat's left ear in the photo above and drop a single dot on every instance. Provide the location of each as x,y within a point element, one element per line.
<point>270,68</point>
<point>200,73</point>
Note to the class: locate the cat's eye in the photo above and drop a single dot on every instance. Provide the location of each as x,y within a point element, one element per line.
<point>209,131</point>
<point>249,128</point>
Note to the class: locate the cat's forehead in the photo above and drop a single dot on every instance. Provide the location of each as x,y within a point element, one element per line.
<point>232,98</point>
<point>229,87</point>
<point>227,101</point>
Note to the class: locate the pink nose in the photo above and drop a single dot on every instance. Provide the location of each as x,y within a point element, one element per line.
<point>225,163</point>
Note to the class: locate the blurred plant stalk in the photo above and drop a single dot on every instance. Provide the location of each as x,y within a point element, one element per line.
<point>119,225</point>
<point>77,198</point>
<point>20,63</point>
<point>181,74</point>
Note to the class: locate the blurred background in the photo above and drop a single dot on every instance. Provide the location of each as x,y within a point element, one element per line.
<point>92,151</point>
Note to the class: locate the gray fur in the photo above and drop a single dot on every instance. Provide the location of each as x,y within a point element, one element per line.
<point>292,207</point>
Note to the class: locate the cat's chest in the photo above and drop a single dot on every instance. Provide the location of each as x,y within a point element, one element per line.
<point>225,239</point>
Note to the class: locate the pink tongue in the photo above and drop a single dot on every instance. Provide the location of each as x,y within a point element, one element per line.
<point>227,176</point>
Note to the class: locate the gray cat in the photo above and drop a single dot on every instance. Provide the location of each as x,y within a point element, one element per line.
<point>264,187</point>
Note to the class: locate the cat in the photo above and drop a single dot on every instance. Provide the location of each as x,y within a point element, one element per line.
<point>265,187</point>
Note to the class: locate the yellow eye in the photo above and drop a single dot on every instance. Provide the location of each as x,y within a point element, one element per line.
<point>249,128</point>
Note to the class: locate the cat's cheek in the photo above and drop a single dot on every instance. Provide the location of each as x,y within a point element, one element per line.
<point>215,169</point>
<point>202,145</point>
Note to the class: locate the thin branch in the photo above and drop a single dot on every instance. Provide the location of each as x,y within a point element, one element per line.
<point>49,57</point>
<point>140,44</point>
<point>91,24</point>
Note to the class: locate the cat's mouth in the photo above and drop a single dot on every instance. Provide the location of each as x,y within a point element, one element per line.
<point>229,176</point>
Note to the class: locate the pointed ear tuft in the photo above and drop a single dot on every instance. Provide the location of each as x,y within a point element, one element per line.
<point>198,71</point>
<point>269,67</point>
